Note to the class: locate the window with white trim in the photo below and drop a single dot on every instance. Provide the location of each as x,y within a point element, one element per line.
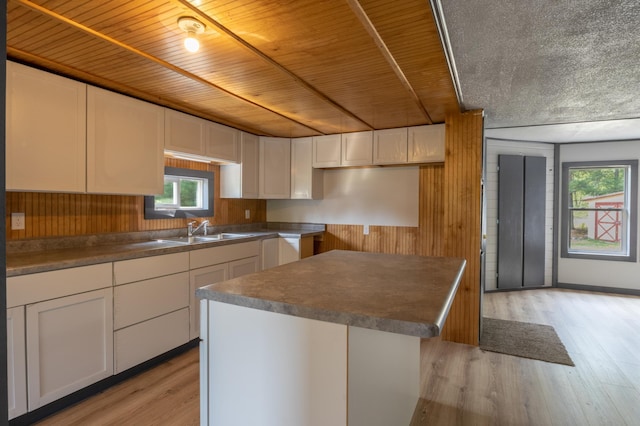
<point>187,193</point>
<point>599,216</point>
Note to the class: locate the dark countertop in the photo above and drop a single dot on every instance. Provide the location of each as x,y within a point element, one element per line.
<point>397,293</point>
<point>60,253</point>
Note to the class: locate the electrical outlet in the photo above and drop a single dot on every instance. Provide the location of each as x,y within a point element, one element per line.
<point>17,221</point>
<point>247,214</point>
<point>365,229</point>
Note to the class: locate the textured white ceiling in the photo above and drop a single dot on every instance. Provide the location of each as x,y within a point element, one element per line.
<point>548,62</point>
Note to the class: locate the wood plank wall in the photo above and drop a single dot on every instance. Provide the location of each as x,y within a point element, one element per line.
<point>448,224</point>
<point>57,215</point>
<point>462,220</point>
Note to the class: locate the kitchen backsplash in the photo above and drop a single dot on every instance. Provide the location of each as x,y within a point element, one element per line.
<point>57,215</point>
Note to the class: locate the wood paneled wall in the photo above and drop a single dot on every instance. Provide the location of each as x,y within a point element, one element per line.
<point>58,215</point>
<point>462,220</point>
<point>449,222</point>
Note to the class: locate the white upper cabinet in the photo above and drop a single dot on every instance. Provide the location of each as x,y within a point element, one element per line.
<point>275,168</point>
<point>222,143</point>
<point>306,182</point>
<point>357,149</point>
<point>125,144</point>
<point>184,133</point>
<point>241,180</point>
<point>390,146</point>
<point>426,143</point>
<point>327,151</point>
<point>193,136</point>
<point>46,131</point>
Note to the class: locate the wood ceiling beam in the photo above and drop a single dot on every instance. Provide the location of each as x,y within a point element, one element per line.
<point>362,16</point>
<point>300,81</point>
<point>185,73</point>
<point>54,66</point>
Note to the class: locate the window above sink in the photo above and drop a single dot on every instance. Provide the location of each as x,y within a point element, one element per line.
<point>187,193</point>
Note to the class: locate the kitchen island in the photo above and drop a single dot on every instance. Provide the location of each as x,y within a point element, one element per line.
<point>329,340</point>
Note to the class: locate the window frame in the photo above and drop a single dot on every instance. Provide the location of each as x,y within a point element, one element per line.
<point>629,211</point>
<point>150,211</point>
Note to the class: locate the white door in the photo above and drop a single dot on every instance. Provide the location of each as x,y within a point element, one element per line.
<point>70,344</point>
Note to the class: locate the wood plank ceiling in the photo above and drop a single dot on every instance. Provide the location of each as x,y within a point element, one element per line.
<point>285,68</point>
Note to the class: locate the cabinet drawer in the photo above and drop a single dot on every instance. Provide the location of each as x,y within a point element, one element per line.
<point>143,341</point>
<point>32,288</point>
<point>147,299</point>
<point>132,270</point>
<point>214,255</point>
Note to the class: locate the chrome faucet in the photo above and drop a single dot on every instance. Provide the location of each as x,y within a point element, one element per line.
<point>191,231</point>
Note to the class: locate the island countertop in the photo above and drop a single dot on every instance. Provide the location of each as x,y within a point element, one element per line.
<point>396,293</point>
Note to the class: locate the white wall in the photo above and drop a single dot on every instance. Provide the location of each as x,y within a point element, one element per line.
<point>599,272</point>
<point>369,196</point>
<point>495,148</point>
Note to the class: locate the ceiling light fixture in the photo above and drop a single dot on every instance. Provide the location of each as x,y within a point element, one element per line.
<point>192,27</point>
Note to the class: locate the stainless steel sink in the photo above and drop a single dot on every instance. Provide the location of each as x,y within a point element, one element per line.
<point>199,239</point>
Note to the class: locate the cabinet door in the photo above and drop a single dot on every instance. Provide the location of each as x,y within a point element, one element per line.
<point>306,182</point>
<point>275,168</point>
<point>426,143</point>
<point>46,131</point>
<point>390,146</point>
<point>184,133</point>
<point>16,362</point>
<point>125,145</point>
<point>357,149</point>
<point>222,142</point>
<point>270,253</point>
<point>289,250</point>
<point>327,151</point>
<point>241,180</point>
<point>70,345</point>
<point>241,267</point>
<point>200,278</point>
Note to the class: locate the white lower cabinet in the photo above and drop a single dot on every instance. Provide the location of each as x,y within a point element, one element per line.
<point>151,307</point>
<point>216,264</point>
<point>70,328</point>
<point>270,253</point>
<point>199,278</point>
<point>148,339</point>
<point>292,249</point>
<point>241,267</point>
<point>16,362</point>
<point>70,344</point>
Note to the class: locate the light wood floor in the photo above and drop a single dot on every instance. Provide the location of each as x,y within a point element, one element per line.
<point>461,385</point>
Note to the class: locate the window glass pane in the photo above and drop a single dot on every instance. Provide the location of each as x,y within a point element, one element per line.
<point>590,187</point>
<point>187,193</point>
<point>190,193</point>
<point>597,231</point>
<point>170,195</point>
